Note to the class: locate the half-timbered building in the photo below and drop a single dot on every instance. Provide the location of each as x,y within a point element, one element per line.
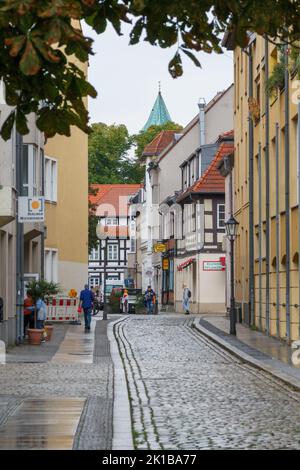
<point>111,205</point>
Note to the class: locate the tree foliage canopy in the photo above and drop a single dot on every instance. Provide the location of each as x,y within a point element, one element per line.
<point>109,162</point>
<point>38,37</point>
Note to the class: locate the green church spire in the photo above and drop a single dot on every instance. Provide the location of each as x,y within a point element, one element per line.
<point>159,114</point>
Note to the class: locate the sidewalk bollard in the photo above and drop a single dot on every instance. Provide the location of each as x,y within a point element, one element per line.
<point>104,317</point>
<point>2,352</point>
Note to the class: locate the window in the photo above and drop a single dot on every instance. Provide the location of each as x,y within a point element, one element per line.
<point>30,169</point>
<point>112,252</point>
<point>94,282</point>
<point>94,255</point>
<point>51,258</point>
<point>50,179</point>
<point>111,221</point>
<point>221,216</point>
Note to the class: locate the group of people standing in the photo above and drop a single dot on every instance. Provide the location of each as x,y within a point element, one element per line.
<point>32,308</point>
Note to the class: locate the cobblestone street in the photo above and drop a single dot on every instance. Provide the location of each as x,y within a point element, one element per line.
<point>187,393</point>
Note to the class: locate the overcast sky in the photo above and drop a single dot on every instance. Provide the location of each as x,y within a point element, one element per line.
<point>126,78</point>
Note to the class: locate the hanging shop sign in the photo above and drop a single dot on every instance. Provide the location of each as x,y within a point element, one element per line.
<point>187,263</point>
<point>159,247</point>
<point>31,209</point>
<point>214,265</point>
<point>165,264</point>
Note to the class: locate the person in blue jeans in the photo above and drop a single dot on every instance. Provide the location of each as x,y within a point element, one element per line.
<point>86,302</point>
<point>150,300</point>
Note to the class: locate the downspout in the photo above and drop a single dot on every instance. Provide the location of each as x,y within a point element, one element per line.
<point>260,236</point>
<point>251,208</point>
<point>267,171</point>
<point>277,235</point>
<point>43,232</point>
<point>298,151</point>
<point>19,244</point>
<point>287,195</point>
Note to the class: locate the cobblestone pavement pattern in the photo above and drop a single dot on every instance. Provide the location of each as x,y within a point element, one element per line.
<point>186,393</point>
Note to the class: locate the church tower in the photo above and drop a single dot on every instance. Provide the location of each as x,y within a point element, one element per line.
<point>159,113</point>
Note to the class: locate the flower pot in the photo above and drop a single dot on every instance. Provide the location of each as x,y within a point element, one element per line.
<point>49,331</point>
<point>35,336</point>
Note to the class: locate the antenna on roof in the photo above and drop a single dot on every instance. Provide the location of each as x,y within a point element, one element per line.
<point>159,87</point>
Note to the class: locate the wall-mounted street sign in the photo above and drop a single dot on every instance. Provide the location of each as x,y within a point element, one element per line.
<point>159,247</point>
<point>165,264</point>
<point>213,266</point>
<point>31,209</point>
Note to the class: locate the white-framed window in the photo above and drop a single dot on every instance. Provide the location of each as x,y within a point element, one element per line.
<point>50,179</point>
<point>112,254</point>
<point>94,254</point>
<point>51,263</point>
<point>111,221</point>
<point>221,216</point>
<point>29,170</point>
<point>94,282</point>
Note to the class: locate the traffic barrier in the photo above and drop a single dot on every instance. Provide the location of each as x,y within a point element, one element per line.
<point>62,309</point>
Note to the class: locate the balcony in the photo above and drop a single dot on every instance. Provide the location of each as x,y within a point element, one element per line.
<point>7,205</point>
<point>33,230</point>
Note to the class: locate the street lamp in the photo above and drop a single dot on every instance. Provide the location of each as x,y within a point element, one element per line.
<point>102,235</point>
<point>231,232</point>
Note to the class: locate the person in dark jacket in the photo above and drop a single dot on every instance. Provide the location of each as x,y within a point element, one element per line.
<point>86,302</point>
<point>150,300</point>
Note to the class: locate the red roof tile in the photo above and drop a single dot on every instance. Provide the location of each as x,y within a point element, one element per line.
<point>159,143</point>
<point>112,199</point>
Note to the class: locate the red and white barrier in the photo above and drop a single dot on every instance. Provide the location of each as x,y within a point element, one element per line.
<point>62,309</point>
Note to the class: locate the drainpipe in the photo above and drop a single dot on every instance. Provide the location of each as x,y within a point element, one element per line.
<point>251,207</point>
<point>260,235</point>
<point>19,245</point>
<point>43,232</point>
<point>277,235</point>
<point>298,151</point>
<point>202,139</point>
<point>287,195</point>
<point>267,171</point>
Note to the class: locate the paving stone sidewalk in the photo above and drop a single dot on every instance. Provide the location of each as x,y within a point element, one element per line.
<point>253,347</point>
<point>64,388</point>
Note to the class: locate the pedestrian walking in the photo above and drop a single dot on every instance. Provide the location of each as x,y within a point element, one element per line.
<point>150,299</point>
<point>87,302</point>
<point>186,295</point>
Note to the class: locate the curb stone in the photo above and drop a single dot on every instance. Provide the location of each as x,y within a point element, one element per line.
<point>247,358</point>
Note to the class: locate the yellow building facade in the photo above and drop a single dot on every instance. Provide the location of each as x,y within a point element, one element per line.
<point>66,194</point>
<point>266,189</point>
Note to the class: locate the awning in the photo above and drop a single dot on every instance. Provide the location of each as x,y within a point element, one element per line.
<point>187,263</point>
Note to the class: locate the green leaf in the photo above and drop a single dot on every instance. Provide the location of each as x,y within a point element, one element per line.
<point>30,63</point>
<point>16,44</point>
<point>21,123</point>
<point>191,56</point>
<point>7,126</point>
<point>175,66</point>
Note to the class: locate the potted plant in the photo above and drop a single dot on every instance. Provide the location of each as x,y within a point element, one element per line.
<point>40,290</point>
<point>140,304</point>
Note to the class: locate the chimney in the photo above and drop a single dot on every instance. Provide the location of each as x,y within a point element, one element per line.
<point>201,105</point>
